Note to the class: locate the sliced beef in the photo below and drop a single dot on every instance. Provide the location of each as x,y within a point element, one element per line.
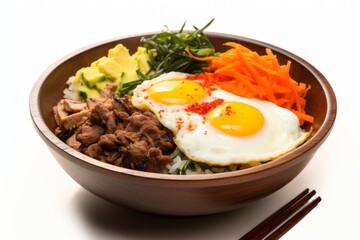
<point>92,102</point>
<point>124,138</point>
<point>157,159</point>
<point>138,154</point>
<point>89,134</point>
<point>108,91</point>
<point>124,105</point>
<point>136,121</point>
<point>68,120</point>
<point>112,130</point>
<point>99,114</point>
<point>108,141</point>
<point>93,151</point>
<point>74,106</point>
<point>110,157</point>
<point>166,143</point>
<point>72,142</point>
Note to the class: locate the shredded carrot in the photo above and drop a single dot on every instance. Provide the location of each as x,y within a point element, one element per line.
<point>246,73</point>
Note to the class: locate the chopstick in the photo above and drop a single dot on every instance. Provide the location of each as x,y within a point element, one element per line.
<point>280,222</point>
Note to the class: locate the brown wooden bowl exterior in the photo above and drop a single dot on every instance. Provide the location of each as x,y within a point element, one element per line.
<point>180,195</point>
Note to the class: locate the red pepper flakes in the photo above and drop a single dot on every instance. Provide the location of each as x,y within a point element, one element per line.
<point>160,112</point>
<point>204,107</point>
<point>190,127</point>
<point>228,111</point>
<point>206,80</point>
<point>179,123</point>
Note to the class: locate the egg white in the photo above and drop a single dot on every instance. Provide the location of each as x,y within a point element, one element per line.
<point>201,142</point>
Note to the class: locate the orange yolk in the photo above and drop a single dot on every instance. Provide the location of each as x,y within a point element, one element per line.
<point>176,92</point>
<point>236,119</point>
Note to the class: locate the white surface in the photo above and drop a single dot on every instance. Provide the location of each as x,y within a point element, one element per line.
<point>38,200</point>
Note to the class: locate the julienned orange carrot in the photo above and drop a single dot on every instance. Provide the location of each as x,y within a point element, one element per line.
<point>248,74</point>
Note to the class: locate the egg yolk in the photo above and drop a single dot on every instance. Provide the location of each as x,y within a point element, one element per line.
<point>176,92</point>
<point>237,119</point>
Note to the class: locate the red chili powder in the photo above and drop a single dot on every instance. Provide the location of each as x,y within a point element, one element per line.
<point>228,111</point>
<point>206,80</point>
<point>204,107</point>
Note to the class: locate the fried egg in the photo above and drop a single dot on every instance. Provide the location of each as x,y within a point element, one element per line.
<point>216,127</point>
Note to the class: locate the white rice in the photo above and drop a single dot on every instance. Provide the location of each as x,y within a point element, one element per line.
<point>71,91</point>
<point>181,165</point>
<point>178,165</point>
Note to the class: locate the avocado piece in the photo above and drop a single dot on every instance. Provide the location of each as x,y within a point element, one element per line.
<point>120,54</point>
<point>110,68</point>
<point>96,63</point>
<point>85,92</point>
<point>141,58</point>
<point>78,77</point>
<point>118,67</point>
<point>92,76</point>
<point>129,76</point>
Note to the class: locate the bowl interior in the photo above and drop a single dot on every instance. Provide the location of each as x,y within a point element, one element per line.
<point>320,98</point>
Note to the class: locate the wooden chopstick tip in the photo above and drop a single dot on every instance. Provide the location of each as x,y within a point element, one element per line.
<point>281,221</point>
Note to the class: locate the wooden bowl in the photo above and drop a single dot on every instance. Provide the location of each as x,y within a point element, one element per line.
<point>181,195</point>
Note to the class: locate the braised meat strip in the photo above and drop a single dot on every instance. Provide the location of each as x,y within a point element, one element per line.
<point>111,130</point>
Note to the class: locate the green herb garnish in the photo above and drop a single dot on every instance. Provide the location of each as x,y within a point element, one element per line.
<point>167,51</point>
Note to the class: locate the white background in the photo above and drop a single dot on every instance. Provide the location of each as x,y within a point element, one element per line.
<point>38,200</point>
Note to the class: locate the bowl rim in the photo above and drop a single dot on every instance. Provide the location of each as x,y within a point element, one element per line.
<point>313,142</point>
